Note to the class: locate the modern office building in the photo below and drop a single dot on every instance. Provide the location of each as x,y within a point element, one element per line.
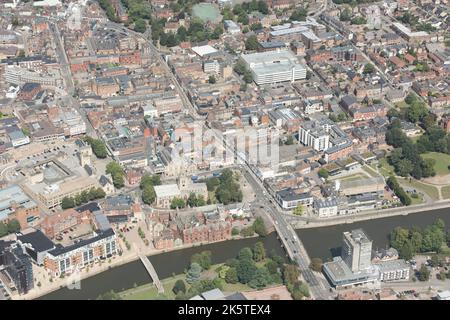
<point>354,266</point>
<point>274,66</point>
<point>357,250</point>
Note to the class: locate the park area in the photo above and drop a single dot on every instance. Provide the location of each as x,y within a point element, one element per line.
<point>442,162</point>
<point>251,270</point>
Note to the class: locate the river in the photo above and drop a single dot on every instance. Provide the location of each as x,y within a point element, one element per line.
<point>323,242</point>
<point>126,276</point>
<point>377,230</point>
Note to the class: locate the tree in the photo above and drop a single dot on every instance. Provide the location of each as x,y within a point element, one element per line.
<point>299,15</point>
<point>240,67</point>
<point>13,226</point>
<point>212,183</point>
<point>203,259</point>
<point>398,237</point>
<point>248,77</point>
<point>369,68</point>
<point>3,229</point>
<point>181,33</point>
<point>260,279</point>
<point>234,231</point>
<point>298,210</point>
<point>256,26</point>
<point>147,180</point>
<point>15,21</point>
<point>231,276</point>
<point>423,274</point>
<point>110,295</point>
<point>243,18</point>
<point>117,174</point>
<point>262,7</point>
<point>177,203</point>
<point>272,266</point>
<point>247,232</point>
<point>148,194</point>
<point>323,173</point>
<point>251,43</point>
<point>290,274</point>
<point>358,21</point>
<point>140,25</point>
<point>98,147</point>
<point>406,251</point>
<point>67,202</point>
<point>246,270</point>
<point>260,227</point>
<point>212,79</point>
<point>193,273</point>
<point>259,252</point>
<point>245,254</point>
<point>345,15</point>
<point>316,264</point>
<point>299,290</point>
<point>179,286</point>
<point>289,140</point>
<point>218,31</point>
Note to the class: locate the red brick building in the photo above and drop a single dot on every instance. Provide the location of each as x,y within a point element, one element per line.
<point>210,232</point>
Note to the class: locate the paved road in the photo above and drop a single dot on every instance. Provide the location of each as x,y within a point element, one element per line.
<point>67,75</point>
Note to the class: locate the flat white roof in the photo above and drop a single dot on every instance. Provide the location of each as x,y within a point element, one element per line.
<point>203,50</point>
<point>167,190</point>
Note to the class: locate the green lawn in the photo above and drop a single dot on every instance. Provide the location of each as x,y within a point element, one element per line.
<point>370,171</point>
<point>386,169</point>
<point>430,190</point>
<point>401,104</point>
<point>442,162</point>
<point>418,200</point>
<point>149,291</point>
<point>445,191</point>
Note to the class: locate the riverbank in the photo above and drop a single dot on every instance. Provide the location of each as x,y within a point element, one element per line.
<point>122,277</point>
<point>369,215</point>
<point>117,261</point>
<point>149,291</point>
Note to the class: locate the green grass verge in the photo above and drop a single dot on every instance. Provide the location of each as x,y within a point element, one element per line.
<point>445,191</point>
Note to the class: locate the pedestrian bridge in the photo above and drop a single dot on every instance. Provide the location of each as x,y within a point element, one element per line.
<point>152,272</point>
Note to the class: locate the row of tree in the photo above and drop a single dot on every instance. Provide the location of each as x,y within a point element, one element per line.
<point>82,198</point>
<point>241,69</point>
<point>398,190</point>
<point>409,242</point>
